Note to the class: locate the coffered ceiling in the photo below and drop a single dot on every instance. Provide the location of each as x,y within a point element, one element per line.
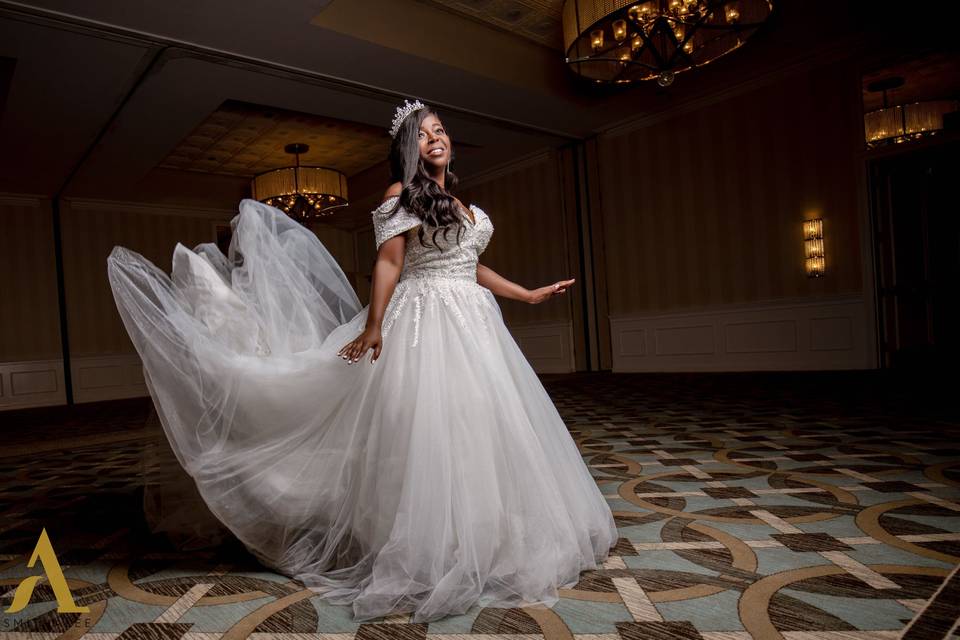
<point>240,139</point>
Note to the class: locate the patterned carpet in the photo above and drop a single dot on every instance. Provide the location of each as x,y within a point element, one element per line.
<point>806,506</point>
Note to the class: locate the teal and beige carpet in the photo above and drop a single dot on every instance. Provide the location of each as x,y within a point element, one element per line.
<point>810,506</point>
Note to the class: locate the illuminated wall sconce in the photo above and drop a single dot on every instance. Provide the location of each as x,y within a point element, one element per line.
<point>813,247</point>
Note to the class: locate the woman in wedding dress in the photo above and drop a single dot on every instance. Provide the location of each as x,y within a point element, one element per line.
<point>435,474</point>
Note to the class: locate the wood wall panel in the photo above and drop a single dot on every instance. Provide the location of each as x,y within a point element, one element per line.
<point>31,383</point>
<point>801,334</point>
<point>90,231</point>
<point>340,244</point>
<point>705,207</point>
<point>529,242</point>
<point>29,316</point>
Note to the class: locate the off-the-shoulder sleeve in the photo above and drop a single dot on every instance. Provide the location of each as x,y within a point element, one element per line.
<point>387,225</point>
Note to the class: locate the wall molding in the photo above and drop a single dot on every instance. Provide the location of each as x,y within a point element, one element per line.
<point>146,208</point>
<point>110,377</point>
<point>31,383</point>
<point>22,200</point>
<point>39,383</point>
<point>548,346</point>
<point>788,334</point>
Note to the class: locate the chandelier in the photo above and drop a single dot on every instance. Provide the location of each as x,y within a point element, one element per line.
<point>903,122</point>
<point>304,193</point>
<point>621,42</point>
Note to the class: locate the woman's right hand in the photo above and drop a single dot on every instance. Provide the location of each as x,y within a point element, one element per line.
<point>356,348</point>
<point>545,293</point>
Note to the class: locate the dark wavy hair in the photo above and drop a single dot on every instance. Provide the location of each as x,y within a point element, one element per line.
<point>421,195</point>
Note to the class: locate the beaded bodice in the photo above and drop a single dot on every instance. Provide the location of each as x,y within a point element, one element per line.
<point>455,261</point>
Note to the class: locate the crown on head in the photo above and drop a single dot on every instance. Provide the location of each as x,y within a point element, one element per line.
<point>402,112</point>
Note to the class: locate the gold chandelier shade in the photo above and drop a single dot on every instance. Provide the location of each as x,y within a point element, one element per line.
<point>906,122</point>
<point>305,180</point>
<point>303,192</point>
<point>620,42</point>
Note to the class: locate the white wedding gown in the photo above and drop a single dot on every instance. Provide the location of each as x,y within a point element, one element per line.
<point>437,478</point>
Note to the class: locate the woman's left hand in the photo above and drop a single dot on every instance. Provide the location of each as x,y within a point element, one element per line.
<point>545,293</point>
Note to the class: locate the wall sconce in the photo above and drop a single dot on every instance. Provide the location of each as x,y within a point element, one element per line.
<point>813,247</point>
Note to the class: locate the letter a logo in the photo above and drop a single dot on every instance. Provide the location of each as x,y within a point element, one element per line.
<point>51,567</point>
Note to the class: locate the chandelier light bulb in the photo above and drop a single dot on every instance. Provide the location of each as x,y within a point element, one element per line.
<point>619,30</point>
<point>596,36</point>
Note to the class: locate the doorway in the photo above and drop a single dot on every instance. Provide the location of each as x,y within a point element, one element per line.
<point>917,235</point>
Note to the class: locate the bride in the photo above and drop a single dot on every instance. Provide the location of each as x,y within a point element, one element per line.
<point>434,476</point>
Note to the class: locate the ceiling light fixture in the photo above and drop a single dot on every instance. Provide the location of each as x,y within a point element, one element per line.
<point>622,42</point>
<point>303,193</point>
<point>903,122</point>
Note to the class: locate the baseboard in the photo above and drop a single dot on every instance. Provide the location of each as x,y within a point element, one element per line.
<point>547,346</point>
<point>817,334</point>
<point>32,383</point>
<point>97,378</point>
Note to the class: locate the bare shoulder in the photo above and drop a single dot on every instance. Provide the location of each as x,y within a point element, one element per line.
<point>393,190</point>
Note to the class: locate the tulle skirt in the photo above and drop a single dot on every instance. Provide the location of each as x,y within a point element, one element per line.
<point>437,478</point>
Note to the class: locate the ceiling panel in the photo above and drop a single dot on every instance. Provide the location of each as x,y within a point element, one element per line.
<point>242,139</point>
<point>535,20</point>
<point>932,77</point>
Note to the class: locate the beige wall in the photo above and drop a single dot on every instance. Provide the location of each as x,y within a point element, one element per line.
<point>28,293</point>
<point>705,207</point>
<point>366,256</point>
<point>341,246</point>
<point>103,362</point>
<point>90,231</point>
<point>528,244</point>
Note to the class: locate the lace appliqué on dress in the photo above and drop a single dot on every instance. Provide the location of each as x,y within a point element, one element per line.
<point>442,276</point>
<point>417,315</point>
<point>427,294</point>
<point>394,308</point>
<point>387,225</point>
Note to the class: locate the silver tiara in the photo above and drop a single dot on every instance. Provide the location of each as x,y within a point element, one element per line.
<point>402,112</point>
